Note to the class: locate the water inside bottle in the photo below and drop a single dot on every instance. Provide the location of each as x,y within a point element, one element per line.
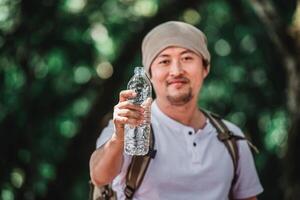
<point>137,138</point>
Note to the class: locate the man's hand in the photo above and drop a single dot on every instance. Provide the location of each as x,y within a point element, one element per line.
<point>126,112</point>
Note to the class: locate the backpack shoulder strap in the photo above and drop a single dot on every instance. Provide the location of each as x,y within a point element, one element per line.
<point>224,133</point>
<point>225,136</point>
<point>137,169</point>
<point>230,141</point>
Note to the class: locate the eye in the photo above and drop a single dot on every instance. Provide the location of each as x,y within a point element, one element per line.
<point>187,58</point>
<point>164,62</point>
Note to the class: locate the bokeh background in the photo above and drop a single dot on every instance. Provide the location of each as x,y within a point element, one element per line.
<point>63,63</point>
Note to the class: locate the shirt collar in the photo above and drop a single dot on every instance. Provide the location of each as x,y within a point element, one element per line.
<point>173,124</point>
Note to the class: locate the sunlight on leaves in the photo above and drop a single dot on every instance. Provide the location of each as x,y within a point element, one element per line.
<point>145,8</point>
<point>40,68</point>
<point>17,177</point>
<point>103,42</point>
<point>9,14</point>
<point>82,74</point>
<point>275,127</point>
<point>259,77</point>
<point>74,6</point>
<point>81,106</point>
<point>47,170</point>
<point>14,78</point>
<point>55,61</point>
<point>248,44</point>
<point>238,118</point>
<point>236,74</point>
<point>191,16</point>
<point>219,13</point>
<point>104,70</point>
<point>7,194</point>
<point>68,128</point>
<point>222,47</point>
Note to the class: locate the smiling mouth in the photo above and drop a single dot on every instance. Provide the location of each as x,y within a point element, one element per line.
<point>178,82</point>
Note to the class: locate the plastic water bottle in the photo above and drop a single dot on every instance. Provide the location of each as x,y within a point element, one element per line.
<point>137,138</point>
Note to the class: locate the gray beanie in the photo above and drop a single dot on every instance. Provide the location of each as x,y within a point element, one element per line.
<point>173,33</point>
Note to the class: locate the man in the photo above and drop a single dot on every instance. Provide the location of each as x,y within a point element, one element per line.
<point>191,163</point>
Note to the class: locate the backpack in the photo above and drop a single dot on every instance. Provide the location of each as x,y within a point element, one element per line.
<point>139,164</point>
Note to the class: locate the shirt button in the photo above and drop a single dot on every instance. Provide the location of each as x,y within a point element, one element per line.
<point>190,133</point>
<point>194,144</point>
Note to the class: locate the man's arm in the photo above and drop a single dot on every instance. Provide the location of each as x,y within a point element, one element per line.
<point>106,162</point>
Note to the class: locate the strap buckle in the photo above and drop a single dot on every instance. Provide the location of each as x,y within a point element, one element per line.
<point>129,191</point>
<point>225,135</point>
<point>151,153</point>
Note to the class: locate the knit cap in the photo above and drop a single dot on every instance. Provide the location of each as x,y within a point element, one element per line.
<point>173,33</point>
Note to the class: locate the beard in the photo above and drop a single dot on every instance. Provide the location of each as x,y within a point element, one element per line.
<point>180,98</point>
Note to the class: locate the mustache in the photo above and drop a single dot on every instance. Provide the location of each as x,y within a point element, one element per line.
<point>179,79</point>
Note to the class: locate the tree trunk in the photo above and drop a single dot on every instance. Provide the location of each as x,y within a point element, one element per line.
<point>286,41</point>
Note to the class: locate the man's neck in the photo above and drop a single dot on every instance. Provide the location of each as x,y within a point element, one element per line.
<point>187,114</point>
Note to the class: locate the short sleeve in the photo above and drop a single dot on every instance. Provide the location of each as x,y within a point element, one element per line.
<point>106,134</point>
<point>247,183</point>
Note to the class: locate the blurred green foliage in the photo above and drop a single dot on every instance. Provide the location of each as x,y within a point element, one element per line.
<point>60,59</point>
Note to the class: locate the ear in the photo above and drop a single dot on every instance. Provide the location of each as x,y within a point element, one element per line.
<point>206,70</point>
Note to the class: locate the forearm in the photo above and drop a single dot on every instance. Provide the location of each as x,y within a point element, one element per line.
<point>106,162</point>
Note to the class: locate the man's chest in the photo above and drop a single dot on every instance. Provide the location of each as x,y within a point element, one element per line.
<point>195,163</point>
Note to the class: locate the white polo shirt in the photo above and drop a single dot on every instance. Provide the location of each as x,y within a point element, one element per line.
<point>188,164</point>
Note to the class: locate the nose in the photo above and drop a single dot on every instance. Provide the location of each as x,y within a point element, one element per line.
<point>176,69</point>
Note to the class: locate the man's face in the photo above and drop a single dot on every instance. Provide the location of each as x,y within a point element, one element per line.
<point>177,75</point>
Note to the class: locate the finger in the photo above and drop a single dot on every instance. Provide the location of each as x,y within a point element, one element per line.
<point>120,120</point>
<point>126,120</point>
<point>130,114</point>
<point>147,102</point>
<point>126,94</point>
<point>129,105</point>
